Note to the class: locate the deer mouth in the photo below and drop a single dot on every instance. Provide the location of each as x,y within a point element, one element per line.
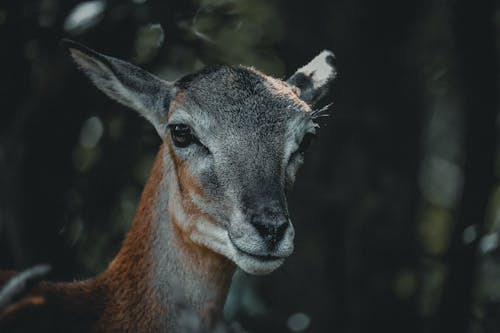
<point>267,257</point>
<point>256,264</point>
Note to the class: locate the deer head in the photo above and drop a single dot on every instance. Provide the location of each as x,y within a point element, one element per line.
<point>233,139</point>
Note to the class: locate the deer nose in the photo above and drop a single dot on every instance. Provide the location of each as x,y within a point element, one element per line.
<point>271,227</point>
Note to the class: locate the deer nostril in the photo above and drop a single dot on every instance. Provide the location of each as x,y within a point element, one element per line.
<point>271,232</point>
<point>280,230</point>
<point>262,228</point>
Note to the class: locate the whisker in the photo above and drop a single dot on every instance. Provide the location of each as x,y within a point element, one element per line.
<point>321,116</point>
<point>321,113</point>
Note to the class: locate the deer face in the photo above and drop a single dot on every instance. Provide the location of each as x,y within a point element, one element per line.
<point>235,139</point>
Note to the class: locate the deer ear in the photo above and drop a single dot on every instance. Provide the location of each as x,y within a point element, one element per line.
<point>125,83</point>
<point>313,79</point>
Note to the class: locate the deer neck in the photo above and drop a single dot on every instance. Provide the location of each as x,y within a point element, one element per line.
<point>159,270</point>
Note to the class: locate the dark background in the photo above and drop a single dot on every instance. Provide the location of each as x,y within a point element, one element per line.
<point>396,209</point>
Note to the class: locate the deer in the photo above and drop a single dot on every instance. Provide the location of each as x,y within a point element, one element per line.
<point>232,141</point>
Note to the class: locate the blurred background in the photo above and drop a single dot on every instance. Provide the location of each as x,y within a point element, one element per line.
<point>397,209</point>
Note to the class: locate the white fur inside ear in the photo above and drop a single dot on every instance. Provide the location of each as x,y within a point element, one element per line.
<point>320,70</point>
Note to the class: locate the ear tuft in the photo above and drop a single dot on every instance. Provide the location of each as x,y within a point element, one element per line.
<point>76,48</point>
<point>313,78</point>
<point>70,44</point>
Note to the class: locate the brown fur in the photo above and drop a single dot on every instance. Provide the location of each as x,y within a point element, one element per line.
<point>187,183</point>
<point>128,273</point>
<point>115,294</point>
<point>121,299</point>
<point>179,98</point>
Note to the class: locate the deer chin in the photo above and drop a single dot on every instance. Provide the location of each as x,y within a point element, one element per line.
<point>218,240</point>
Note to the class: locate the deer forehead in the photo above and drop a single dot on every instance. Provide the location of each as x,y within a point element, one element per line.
<point>238,103</point>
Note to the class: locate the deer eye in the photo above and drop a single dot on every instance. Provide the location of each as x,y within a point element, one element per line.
<point>306,142</point>
<point>182,135</point>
